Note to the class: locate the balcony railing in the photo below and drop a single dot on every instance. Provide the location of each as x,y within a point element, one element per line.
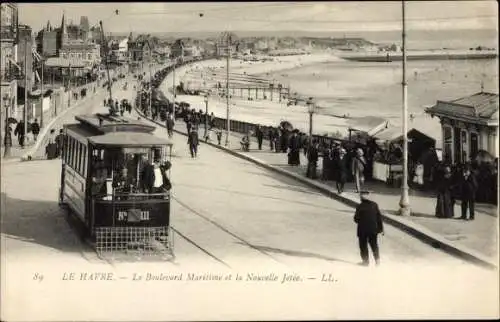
<point>7,34</point>
<point>7,76</point>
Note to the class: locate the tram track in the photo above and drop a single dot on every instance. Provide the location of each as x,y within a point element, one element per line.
<point>225,230</point>
<point>199,247</point>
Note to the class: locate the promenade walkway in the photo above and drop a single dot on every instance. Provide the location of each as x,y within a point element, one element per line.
<point>478,237</point>
<point>50,120</point>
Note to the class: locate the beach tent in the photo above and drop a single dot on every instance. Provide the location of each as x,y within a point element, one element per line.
<point>418,142</point>
<point>368,124</point>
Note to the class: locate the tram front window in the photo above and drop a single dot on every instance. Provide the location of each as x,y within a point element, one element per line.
<point>125,171</point>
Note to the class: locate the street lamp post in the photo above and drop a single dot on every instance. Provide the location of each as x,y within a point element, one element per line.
<point>8,135</point>
<point>173,83</point>
<point>206,115</point>
<point>150,91</point>
<point>310,109</point>
<point>404,203</point>
<point>228,130</point>
<point>41,95</point>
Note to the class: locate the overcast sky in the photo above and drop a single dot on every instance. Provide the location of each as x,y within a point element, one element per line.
<point>267,16</point>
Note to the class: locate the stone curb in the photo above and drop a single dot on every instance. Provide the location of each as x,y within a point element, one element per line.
<point>415,230</point>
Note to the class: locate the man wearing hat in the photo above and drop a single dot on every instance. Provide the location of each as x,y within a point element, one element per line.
<point>369,221</point>
<point>193,142</point>
<point>467,187</point>
<point>342,170</point>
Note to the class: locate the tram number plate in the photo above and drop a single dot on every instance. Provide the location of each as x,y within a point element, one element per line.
<point>133,215</point>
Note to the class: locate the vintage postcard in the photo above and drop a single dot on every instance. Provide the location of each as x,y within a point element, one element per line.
<point>249,161</point>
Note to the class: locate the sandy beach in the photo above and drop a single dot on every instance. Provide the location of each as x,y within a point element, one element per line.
<point>263,112</point>
<point>342,87</point>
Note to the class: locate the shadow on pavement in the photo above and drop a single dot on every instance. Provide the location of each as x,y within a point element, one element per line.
<point>40,222</point>
<point>297,253</point>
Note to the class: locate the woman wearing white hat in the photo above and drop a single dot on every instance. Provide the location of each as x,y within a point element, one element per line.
<point>358,169</point>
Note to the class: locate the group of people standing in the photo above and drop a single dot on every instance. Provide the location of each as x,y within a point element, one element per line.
<point>33,128</point>
<point>461,185</point>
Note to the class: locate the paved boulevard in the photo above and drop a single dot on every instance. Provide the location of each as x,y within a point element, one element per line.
<point>248,220</point>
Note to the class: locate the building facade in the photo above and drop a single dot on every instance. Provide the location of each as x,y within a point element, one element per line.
<point>25,56</point>
<point>468,124</point>
<point>89,53</point>
<point>140,49</point>
<point>8,71</point>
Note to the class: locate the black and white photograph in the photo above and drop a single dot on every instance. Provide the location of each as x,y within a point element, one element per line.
<point>229,161</point>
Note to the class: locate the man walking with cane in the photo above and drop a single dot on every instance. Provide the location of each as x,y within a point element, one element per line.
<point>369,221</point>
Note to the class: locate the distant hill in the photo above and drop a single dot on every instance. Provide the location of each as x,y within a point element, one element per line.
<point>245,34</point>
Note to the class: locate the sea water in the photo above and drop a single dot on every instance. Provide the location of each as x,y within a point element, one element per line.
<point>374,88</point>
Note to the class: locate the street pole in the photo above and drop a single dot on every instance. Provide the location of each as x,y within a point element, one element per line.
<point>107,67</point>
<point>173,85</point>
<point>310,124</point>
<point>150,90</point>
<point>206,116</point>
<point>69,85</point>
<point>404,203</point>
<point>8,135</point>
<point>228,131</point>
<point>41,95</point>
<point>25,111</point>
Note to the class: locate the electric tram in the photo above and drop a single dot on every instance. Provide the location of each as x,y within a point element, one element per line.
<point>115,182</point>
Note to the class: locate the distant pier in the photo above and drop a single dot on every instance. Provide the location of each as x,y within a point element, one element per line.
<point>424,55</point>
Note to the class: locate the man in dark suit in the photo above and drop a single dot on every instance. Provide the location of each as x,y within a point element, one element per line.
<point>467,187</point>
<point>369,220</point>
<point>342,170</point>
<point>154,177</point>
<point>260,136</point>
<point>312,158</point>
<point>193,142</point>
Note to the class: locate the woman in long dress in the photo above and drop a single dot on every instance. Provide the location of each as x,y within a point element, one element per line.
<point>445,202</point>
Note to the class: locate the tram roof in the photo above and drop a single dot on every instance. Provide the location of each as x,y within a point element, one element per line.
<point>103,123</point>
<point>129,139</point>
<point>117,139</point>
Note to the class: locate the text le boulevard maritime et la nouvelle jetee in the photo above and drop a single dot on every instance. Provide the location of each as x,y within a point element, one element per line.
<point>281,278</point>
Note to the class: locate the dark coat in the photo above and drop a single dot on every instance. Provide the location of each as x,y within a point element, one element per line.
<point>35,128</point>
<point>368,218</point>
<point>467,188</point>
<point>312,154</point>
<point>193,138</point>
<point>294,143</point>
<point>148,177</point>
<point>342,169</point>
<point>19,130</point>
<point>445,202</point>
<point>259,134</point>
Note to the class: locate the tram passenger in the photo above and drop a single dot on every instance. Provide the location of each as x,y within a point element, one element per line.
<point>123,182</point>
<point>154,177</point>
<point>99,182</point>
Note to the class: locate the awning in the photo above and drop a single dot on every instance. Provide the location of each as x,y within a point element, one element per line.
<point>368,124</point>
<point>395,133</point>
<point>390,134</point>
